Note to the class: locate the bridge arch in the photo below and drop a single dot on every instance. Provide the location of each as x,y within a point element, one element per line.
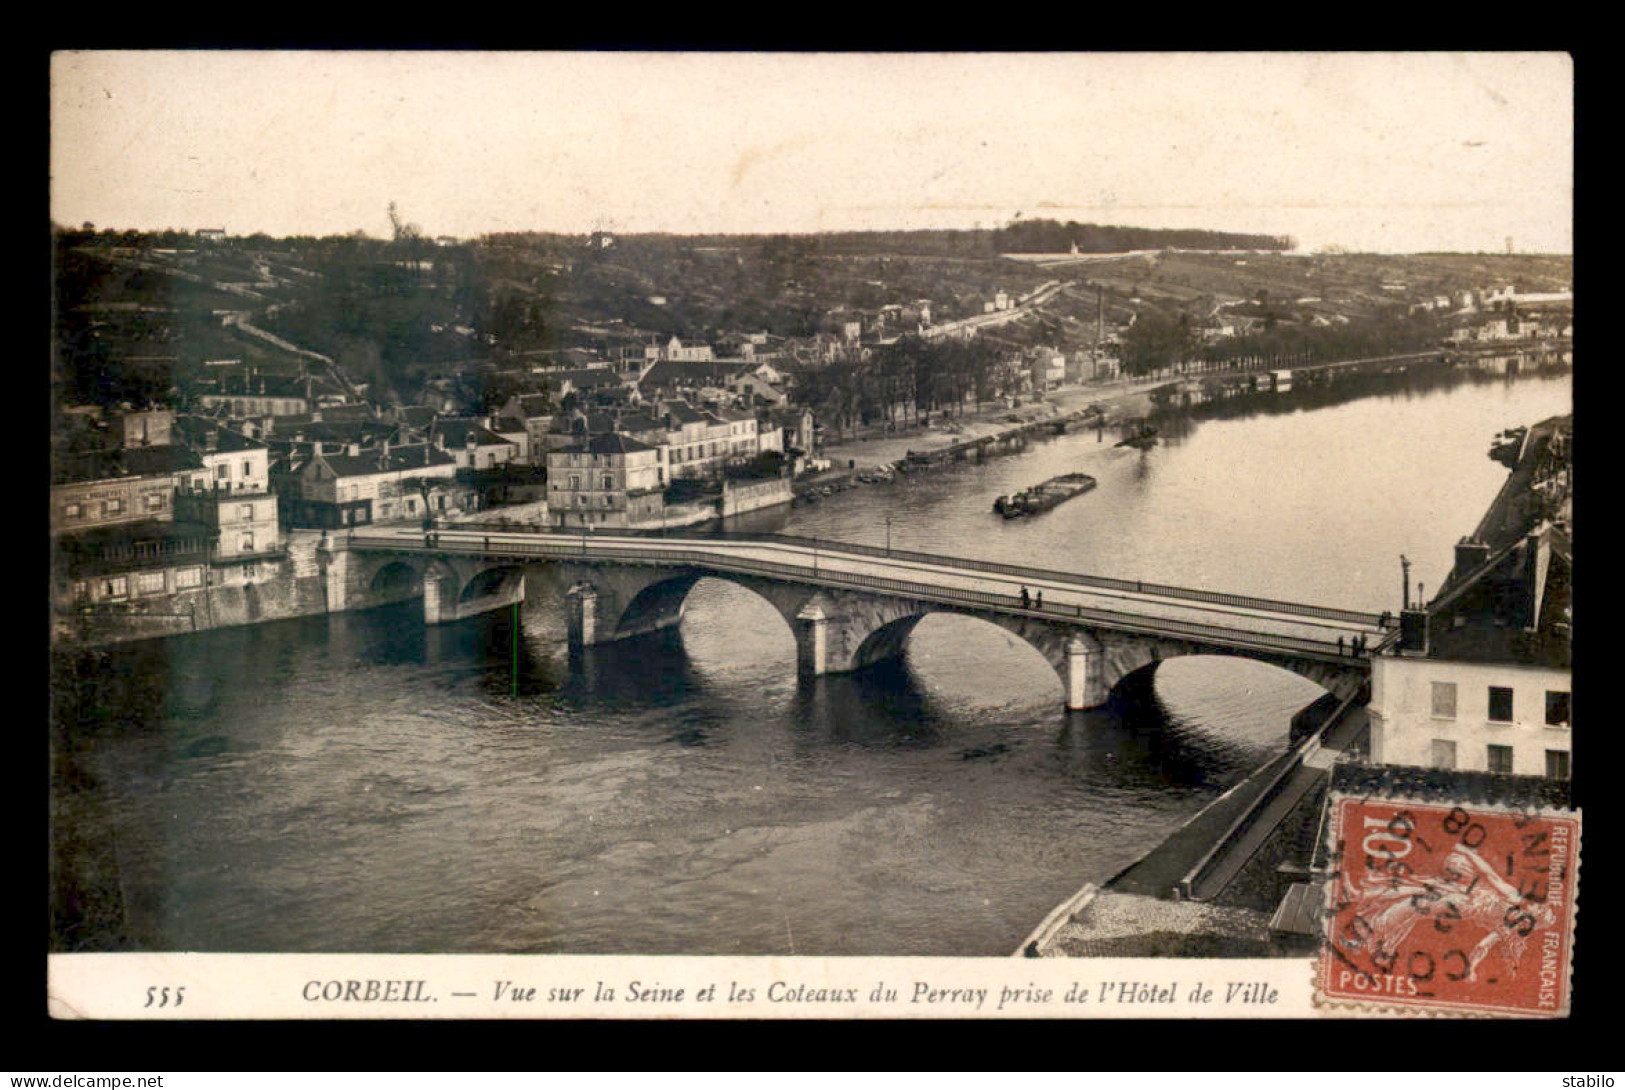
<point>890,640</point>
<point>619,602</point>
<point>397,579</point>
<point>490,581</point>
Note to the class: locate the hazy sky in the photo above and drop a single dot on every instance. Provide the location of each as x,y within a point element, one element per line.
<point>1371,151</point>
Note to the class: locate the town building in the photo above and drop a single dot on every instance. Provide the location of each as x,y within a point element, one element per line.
<point>249,394</point>
<point>1480,677</point>
<point>392,482</point>
<point>536,413</point>
<point>112,566</point>
<point>675,349</point>
<point>231,494</point>
<point>1480,680</point>
<point>96,489</point>
<point>700,443</point>
<point>1047,368</point>
<point>605,481</point>
<point>471,443</point>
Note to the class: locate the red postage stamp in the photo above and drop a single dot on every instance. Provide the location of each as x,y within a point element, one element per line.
<point>1449,909</point>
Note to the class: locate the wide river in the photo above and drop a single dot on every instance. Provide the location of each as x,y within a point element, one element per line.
<point>359,783</point>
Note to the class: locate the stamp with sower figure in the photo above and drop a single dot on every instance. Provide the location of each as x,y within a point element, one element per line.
<point>1449,909</point>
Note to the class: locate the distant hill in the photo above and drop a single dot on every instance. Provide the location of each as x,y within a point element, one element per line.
<point>1021,237</point>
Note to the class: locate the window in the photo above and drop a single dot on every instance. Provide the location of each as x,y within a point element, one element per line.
<point>1500,704</point>
<point>1444,700</point>
<point>1557,764</point>
<point>245,544</point>
<point>188,577</point>
<point>609,482</point>
<point>248,469</point>
<point>1500,759</point>
<point>112,507</point>
<point>575,482</point>
<point>222,471</point>
<point>245,513</point>
<point>1444,753</point>
<point>72,511</point>
<point>1557,709</point>
<point>149,583</point>
<point>115,587</point>
<point>155,500</point>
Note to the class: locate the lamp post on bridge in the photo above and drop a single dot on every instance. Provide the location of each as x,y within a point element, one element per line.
<point>888,535</point>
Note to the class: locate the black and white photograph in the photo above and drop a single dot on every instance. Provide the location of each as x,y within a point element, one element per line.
<point>681,531</point>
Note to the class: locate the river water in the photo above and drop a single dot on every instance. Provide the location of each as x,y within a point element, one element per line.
<point>361,783</point>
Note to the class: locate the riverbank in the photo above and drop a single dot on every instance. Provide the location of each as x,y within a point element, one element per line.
<point>1171,902</point>
<point>1119,400</point>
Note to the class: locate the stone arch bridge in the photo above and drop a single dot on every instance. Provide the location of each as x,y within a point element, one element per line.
<point>851,606</point>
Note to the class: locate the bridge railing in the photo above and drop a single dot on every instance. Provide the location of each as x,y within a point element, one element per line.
<point>570,548</point>
<point>1190,594</point>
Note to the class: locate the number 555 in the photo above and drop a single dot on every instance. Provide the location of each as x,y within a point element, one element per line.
<point>162,996</point>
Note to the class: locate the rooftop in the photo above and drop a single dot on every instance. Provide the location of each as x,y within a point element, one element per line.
<point>614,443</point>
<point>101,465</point>
<point>1513,607</point>
<point>396,458</point>
<point>199,432</point>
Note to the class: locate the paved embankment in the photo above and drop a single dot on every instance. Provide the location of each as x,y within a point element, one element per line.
<point>1159,872</point>
<point>1207,852</point>
<point>1204,855</point>
<point>1211,875</point>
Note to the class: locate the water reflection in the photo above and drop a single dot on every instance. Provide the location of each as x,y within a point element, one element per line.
<point>358,782</point>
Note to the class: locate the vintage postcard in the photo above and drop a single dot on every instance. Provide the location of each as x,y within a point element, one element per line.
<point>787,535</point>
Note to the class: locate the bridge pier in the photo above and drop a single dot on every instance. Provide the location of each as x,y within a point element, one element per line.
<point>1085,675</point>
<point>586,625</point>
<point>336,576</point>
<point>440,607</point>
<point>812,641</point>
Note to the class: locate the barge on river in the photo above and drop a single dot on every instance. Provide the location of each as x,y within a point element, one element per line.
<point>1042,497</point>
<point>1143,439</point>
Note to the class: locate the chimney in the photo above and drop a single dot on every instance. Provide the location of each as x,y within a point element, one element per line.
<point>1413,632</point>
<point>1470,555</point>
